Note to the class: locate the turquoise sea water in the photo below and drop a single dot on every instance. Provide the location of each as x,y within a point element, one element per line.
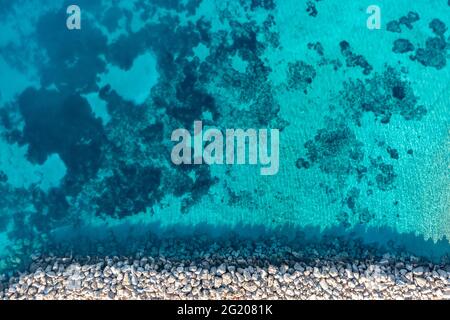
<point>86,118</point>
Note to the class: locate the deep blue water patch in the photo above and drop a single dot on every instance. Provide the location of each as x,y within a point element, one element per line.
<point>61,123</point>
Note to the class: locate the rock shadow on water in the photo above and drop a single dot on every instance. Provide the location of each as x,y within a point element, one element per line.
<point>127,239</point>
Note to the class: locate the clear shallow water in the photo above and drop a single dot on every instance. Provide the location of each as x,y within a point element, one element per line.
<point>86,119</point>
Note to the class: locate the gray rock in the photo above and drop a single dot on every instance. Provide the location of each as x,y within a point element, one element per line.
<point>299,267</point>
<point>442,273</point>
<point>421,282</point>
<point>249,286</point>
<point>323,284</point>
<point>271,269</point>
<point>446,294</point>
<point>333,272</point>
<point>418,271</point>
<point>221,269</point>
<point>217,282</point>
<point>226,279</point>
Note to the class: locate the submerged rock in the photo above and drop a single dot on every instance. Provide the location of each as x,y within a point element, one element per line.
<point>300,75</point>
<point>354,60</point>
<point>435,52</point>
<point>407,21</point>
<point>402,46</point>
<point>383,94</point>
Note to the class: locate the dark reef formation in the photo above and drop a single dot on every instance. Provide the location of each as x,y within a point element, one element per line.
<point>64,124</point>
<point>70,53</point>
<point>337,152</point>
<point>354,60</point>
<point>335,149</point>
<point>384,95</point>
<point>265,4</point>
<point>407,21</point>
<point>435,52</point>
<point>311,9</point>
<point>393,153</point>
<point>317,46</point>
<point>300,75</point>
<point>402,46</point>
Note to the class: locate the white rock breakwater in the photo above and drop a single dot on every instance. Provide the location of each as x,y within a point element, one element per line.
<point>249,271</point>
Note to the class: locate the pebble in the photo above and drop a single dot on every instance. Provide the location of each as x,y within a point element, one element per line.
<point>323,284</point>
<point>421,282</point>
<point>226,279</point>
<point>233,274</point>
<point>418,271</point>
<point>272,270</point>
<point>221,269</point>
<point>333,272</point>
<point>299,267</point>
<point>250,286</point>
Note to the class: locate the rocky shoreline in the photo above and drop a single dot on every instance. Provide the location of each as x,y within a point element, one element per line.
<point>252,270</point>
